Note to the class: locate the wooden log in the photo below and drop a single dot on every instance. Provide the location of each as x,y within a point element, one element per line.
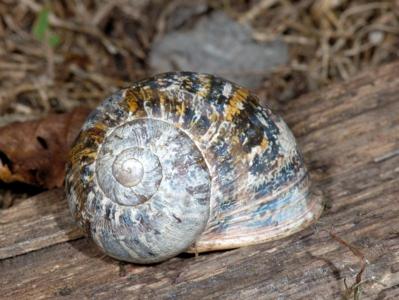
<point>35,223</point>
<point>349,134</point>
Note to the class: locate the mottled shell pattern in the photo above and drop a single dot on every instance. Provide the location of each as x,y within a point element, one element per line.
<point>186,162</point>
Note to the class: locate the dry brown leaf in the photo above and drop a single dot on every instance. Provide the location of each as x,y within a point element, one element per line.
<point>35,152</point>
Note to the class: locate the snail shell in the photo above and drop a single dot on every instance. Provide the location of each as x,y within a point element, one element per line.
<point>186,162</point>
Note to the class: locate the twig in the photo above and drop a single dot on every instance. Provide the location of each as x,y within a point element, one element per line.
<point>256,10</point>
<point>355,287</point>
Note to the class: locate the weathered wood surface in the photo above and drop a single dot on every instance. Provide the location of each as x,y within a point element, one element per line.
<point>349,134</point>
<point>36,223</point>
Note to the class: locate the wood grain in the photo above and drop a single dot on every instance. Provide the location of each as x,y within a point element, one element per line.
<point>35,223</point>
<point>349,134</point>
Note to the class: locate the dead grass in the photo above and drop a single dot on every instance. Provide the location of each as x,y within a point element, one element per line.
<point>329,40</point>
<point>105,45</point>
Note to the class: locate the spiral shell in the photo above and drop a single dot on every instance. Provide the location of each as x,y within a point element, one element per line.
<point>186,162</point>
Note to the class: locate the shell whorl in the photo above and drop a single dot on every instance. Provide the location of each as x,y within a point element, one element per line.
<point>186,159</point>
<point>149,175</point>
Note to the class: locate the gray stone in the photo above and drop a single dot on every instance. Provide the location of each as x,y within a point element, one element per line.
<point>218,45</point>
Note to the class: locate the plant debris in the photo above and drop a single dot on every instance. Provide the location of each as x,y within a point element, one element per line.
<point>93,47</point>
<point>35,152</point>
